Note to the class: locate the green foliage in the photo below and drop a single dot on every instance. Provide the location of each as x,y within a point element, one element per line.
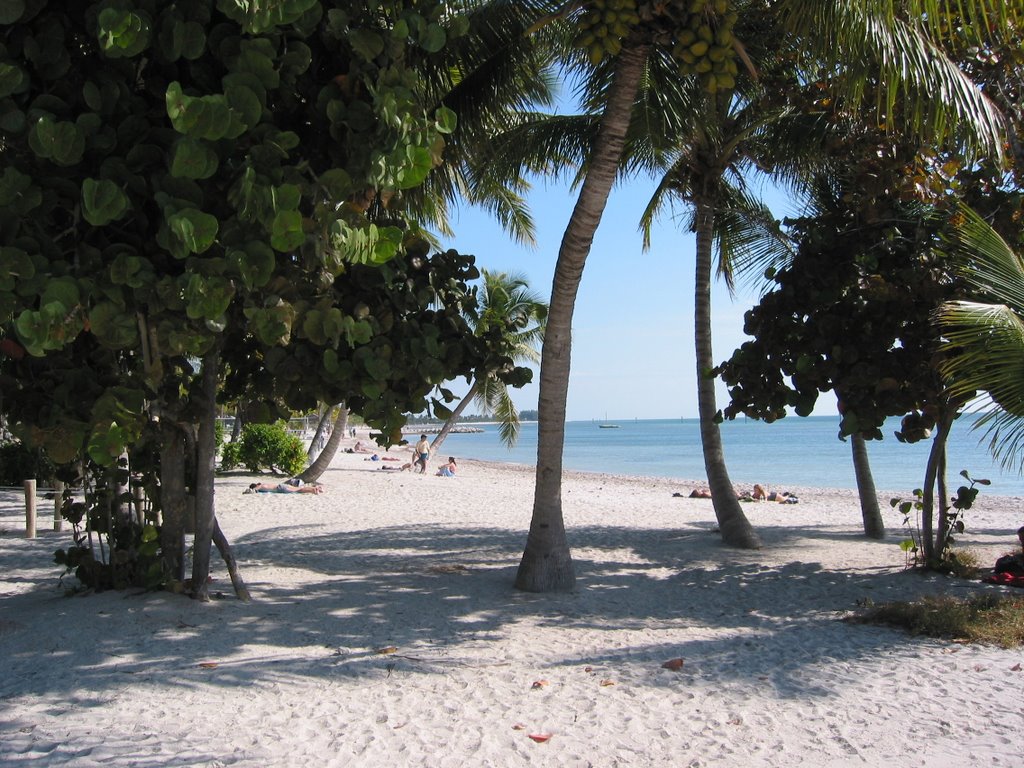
<point>19,462</point>
<point>268,446</point>
<point>947,559</point>
<point>111,549</point>
<point>225,205</point>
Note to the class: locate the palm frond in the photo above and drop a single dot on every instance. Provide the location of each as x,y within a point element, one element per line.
<point>987,262</point>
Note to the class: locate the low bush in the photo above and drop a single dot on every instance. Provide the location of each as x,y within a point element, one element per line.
<point>265,446</point>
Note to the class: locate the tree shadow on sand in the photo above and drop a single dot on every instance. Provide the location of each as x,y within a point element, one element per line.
<point>443,597</point>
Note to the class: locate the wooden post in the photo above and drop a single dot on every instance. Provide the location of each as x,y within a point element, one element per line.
<point>58,502</point>
<point>139,499</point>
<point>30,509</point>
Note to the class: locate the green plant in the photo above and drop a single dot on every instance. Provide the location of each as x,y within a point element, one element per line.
<point>952,522</point>
<point>112,549</point>
<point>231,455</point>
<point>270,446</point>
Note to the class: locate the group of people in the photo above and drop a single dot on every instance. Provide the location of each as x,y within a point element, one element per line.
<point>421,455</point>
<point>758,494</point>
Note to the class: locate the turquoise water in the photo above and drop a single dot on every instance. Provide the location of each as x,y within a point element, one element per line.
<point>796,451</point>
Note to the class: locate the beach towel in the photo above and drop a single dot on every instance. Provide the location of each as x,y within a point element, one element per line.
<point>1008,579</point>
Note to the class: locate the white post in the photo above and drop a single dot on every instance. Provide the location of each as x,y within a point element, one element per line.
<point>58,501</point>
<point>30,509</point>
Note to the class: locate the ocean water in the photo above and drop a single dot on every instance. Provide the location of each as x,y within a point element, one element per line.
<point>792,451</point>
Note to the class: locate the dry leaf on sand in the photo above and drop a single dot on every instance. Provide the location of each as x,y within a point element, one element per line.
<point>674,664</point>
<point>539,683</point>
<point>208,664</point>
<point>540,738</point>
<point>387,649</point>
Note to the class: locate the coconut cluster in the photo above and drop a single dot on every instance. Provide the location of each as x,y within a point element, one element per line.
<point>604,25</point>
<point>700,33</point>
<point>703,44</point>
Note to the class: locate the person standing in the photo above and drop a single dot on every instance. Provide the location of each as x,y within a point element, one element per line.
<point>422,453</point>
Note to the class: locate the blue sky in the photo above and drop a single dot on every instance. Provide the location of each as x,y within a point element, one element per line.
<point>633,349</point>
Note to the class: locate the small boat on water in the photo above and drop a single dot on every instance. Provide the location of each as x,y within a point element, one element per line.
<point>607,426</point>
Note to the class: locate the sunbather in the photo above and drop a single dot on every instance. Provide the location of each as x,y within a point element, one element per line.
<point>283,488</point>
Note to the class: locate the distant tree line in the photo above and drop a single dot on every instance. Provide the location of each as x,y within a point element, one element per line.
<point>474,418</point>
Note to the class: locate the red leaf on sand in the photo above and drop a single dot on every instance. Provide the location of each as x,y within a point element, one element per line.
<point>540,738</point>
<point>539,683</point>
<point>674,664</point>
<point>208,664</point>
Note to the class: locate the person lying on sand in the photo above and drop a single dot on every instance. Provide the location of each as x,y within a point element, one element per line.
<point>285,487</point>
<point>785,497</point>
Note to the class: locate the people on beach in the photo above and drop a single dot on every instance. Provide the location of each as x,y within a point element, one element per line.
<point>783,497</point>
<point>422,451</point>
<point>292,485</point>
<point>361,447</point>
<point>448,470</point>
<point>758,494</point>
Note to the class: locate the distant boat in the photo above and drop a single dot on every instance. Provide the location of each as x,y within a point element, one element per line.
<point>606,425</point>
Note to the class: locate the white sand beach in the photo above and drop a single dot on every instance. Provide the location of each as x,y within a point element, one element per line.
<point>385,631</point>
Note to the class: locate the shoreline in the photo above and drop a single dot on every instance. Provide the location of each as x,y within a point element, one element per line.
<point>385,631</point>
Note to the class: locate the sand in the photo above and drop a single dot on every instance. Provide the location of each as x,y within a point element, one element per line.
<point>385,631</point>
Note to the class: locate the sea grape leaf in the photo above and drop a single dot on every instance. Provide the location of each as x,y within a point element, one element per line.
<point>103,201</point>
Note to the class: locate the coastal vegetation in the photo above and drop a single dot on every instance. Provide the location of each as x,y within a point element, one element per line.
<point>989,619</point>
<point>851,54</point>
<point>210,202</point>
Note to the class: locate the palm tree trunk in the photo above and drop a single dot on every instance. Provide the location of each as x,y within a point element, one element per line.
<point>874,527</point>
<point>546,565</point>
<point>736,529</point>
<point>312,473</point>
<point>318,434</point>
<point>453,419</point>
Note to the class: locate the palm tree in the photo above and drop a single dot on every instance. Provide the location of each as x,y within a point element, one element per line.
<point>985,337</point>
<point>323,460</point>
<point>509,308</point>
<point>866,41</point>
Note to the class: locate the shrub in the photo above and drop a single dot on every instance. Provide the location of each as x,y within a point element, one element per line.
<point>230,455</point>
<point>18,463</point>
<point>267,446</point>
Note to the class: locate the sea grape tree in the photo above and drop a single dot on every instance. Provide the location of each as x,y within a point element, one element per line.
<point>208,191</point>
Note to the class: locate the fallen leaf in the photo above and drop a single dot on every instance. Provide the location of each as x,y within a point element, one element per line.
<point>387,649</point>
<point>539,683</point>
<point>673,664</point>
<point>208,664</point>
<point>1016,668</point>
<point>519,727</point>
<point>540,738</point>
<point>607,682</point>
<point>588,669</point>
